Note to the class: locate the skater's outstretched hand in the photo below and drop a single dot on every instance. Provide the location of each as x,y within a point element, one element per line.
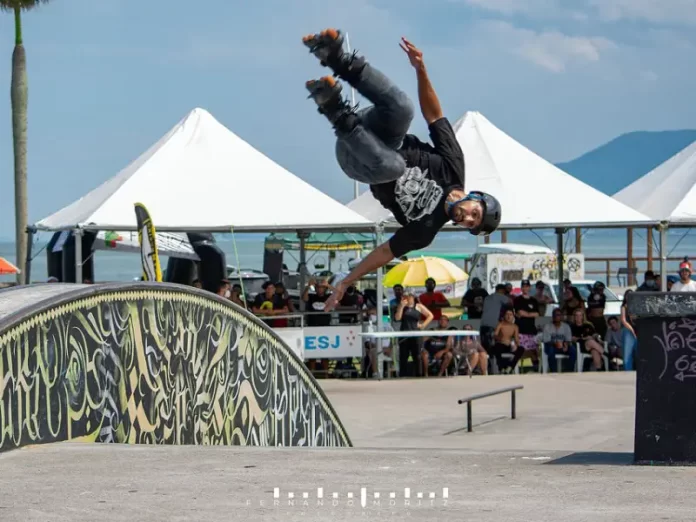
<point>415,55</point>
<point>335,297</point>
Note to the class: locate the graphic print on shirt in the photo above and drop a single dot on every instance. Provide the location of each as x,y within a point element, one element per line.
<point>416,194</point>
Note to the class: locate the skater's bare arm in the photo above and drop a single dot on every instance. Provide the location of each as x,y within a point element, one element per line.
<point>379,257</point>
<point>429,103</point>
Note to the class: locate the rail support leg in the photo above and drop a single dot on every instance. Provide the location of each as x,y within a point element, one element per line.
<point>514,405</point>
<point>468,417</point>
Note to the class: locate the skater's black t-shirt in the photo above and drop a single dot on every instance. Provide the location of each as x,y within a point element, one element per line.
<point>417,199</point>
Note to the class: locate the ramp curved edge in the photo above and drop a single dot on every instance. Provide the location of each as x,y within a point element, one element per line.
<point>151,363</point>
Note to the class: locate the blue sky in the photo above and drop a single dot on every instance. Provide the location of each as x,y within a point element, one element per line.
<point>108,78</point>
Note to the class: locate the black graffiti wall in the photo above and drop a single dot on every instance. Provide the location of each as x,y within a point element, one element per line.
<point>158,364</point>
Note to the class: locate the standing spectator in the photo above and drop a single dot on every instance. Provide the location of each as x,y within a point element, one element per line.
<point>596,303</point>
<point>409,312</point>
<point>507,340</point>
<point>432,300</point>
<point>196,283</point>
<point>316,302</point>
<point>558,339</point>
<point>351,300</point>
<point>224,289</point>
<point>473,299</point>
<point>394,303</point>
<point>493,307</point>
<point>573,301</point>
<point>236,296</point>
<point>614,339</point>
<point>508,293</point>
<point>542,297</point>
<point>526,311</point>
<point>685,283</point>
<point>583,333</point>
<point>628,338</point>
<point>649,283</point>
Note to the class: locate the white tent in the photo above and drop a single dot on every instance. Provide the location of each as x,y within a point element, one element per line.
<point>201,176</point>
<point>168,243</point>
<point>668,192</point>
<point>533,192</point>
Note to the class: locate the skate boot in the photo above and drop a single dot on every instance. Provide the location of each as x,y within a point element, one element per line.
<point>327,46</point>
<point>326,93</point>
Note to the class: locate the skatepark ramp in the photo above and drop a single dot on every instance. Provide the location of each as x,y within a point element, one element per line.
<point>151,363</point>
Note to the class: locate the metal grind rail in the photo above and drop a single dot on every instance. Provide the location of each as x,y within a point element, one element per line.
<point>470,399</point>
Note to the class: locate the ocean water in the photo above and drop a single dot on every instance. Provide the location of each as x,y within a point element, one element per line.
<point>246,250</point>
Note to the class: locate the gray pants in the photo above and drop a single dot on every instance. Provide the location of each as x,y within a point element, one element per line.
<point>368,154</point>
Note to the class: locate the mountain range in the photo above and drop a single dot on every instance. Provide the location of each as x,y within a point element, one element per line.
<point>618,163</point>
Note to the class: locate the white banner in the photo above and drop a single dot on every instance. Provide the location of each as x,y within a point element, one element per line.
<point>294,338</point>
<point>332,342</point>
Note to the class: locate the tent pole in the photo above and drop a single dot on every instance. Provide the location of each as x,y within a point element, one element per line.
<point>380,288</point>
<point>77,235</point>
<point>663,255</point>
<point>303,265</point>
<point>559,263</point>
<point>27,261</point>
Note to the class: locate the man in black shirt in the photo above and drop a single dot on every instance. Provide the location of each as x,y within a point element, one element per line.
<point>421,184</point>
<point>473,299</point>
<point>526,312</point>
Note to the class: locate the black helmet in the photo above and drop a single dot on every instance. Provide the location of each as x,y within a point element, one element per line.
<point>492,213</point>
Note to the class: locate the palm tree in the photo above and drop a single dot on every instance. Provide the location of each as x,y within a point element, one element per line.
<point>19,96</point>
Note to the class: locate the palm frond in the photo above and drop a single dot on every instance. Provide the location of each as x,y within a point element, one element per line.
<point>24,5</point>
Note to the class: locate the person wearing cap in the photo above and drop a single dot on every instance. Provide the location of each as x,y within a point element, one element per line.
<point>685,283</point>
<point>526,311</point>
<point>433,300</point>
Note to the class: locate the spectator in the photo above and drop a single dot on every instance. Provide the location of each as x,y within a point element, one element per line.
<point>507,340</point>
<point>526,311</point>
<point>558,339</point>
<point>224,289</point>
<point>614,339</point>
<point>493,307</point>
<point>433,300</point>
<point>282,299</point>
<point>409,313</point>
<point>471,348</point>
<point>316,302</point>
<point>438,349</point>
<point>268,303</point>
<point>628,338</point>
<point>394,303</point>
<point>572,302</point>
<point>351,300</point>
<point>371,345</point>
<point>508,293</point>
<point>236,296</point>
<point>583,333</point>
<point>649,283</point>
<point>596,303</point>
<point>473,299</point>
<point>52,279</point>
<point>685,283</point>
<point>542,297</point>
<point>197,283</point>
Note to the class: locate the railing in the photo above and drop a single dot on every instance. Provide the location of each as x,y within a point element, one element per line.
<point>622,262</point>
<point>468,400</point>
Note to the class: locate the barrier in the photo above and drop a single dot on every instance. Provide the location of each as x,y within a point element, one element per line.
<point>665,422</point>
<point>469,400</point>
<point>151,363</point>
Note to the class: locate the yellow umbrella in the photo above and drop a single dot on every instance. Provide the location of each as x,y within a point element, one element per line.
<point>414,272</point>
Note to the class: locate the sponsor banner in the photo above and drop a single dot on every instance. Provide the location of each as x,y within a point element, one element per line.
<point>332,342</point>
<point>294,338</point>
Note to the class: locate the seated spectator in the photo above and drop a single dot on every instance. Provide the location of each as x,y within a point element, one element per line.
<point>267,303</point>
<point>584,334</point>
<point>614,340</point>
<point>472,301</point>
<point>438,349</point>
<point>471,348</point>
<point>433,300</point>
<point>558,339</point>
<point>507,340</point>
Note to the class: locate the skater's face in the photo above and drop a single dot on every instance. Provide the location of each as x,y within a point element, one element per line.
<point>468,214</point>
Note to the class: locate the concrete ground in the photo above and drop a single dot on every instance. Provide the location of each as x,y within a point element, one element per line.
<point>568,456</point>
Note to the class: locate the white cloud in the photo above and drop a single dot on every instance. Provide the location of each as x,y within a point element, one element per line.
<point>663,11</point>
<point>551,50</point>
